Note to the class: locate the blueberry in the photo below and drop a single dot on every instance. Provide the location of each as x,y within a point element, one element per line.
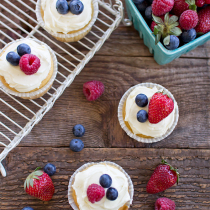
<point>188,36</point>
<point>23,49</point>
<point>13,58</point>
<point>141,100</point>
<point>105,181</point>
<point>78,130</point>
<point>137,1</point>
<point>76,7</point>
<point>62,7</point>
<point>142,116</point>
<point>148,13</point>
<point>76,145</point>
<point>111,194</point>
<point>50,169</point>
<point>174,43</point>
<point>142,7</point>
<point>27,208</point>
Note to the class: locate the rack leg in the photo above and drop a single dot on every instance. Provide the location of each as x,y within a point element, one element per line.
<point>3,171</point>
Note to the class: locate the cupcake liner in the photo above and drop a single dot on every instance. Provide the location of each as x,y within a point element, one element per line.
<point>71,37</point>
<point>41,91</point>
<point>87,165</point>
<point>132,135</point>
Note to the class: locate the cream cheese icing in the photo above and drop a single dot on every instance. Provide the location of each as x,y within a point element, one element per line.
<point>57,22</point>
<point>147,128</point>
<point>91,176</point>
<point>18,79</point>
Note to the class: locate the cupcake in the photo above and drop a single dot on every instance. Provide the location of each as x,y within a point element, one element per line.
<point>67,21</point>
<point>148,112</point>
<point>100,186</point>
<point>28,68</point>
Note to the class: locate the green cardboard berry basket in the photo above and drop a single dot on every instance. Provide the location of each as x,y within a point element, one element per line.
<point>161,54</point>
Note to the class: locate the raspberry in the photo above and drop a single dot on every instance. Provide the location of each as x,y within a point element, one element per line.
<point>188,19</point>
<point>29,64</point>
<point>95,193</point>
<point>207,2</point>
<point>93,90</point>
<point>164,204</point>
<point>161,7</point>
<point>179,7</point>
<point>200,3</point>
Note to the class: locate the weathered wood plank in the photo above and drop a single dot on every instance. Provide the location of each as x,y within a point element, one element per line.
<point>191,193</point>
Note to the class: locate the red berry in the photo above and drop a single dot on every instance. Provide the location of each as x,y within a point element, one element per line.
<point>93,90</point>
<point>163,177</point>
<point>188,19</point>
<point>204,21</point>
<point>199,3</point>
<point>161,7</point>
<point>179,7</point>
<point>29,64</point>
<point>207,1</point>
<point>95,193</point>
<point>164,204</point>
<point>160,106</point>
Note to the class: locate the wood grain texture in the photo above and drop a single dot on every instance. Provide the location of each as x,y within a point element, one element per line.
<point>191,193</point>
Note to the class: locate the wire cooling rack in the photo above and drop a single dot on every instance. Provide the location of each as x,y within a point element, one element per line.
<point>18,20</point>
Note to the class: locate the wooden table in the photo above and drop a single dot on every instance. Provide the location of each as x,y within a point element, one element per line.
<point>122,62</point>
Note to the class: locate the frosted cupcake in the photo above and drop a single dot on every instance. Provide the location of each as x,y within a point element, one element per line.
<point>27,68</point>
<point>148,112</point>
<point>100,186</point>
<point>67,21</point>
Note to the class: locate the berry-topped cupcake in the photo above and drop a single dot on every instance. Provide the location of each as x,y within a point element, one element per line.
<point>67,21</point>
<point>27,68</point>
<point>100,186</point>
<point>148,112</point>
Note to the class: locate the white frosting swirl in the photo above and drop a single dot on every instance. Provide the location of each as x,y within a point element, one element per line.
<point>57,22</point>
<point>147,128</point>
<point>91,176</point>
<point>15,77</point>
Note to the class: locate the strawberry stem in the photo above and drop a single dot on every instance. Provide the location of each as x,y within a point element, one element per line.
<point>172,169</point>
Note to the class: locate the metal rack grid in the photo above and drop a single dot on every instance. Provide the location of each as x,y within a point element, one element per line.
<point>18,21</point>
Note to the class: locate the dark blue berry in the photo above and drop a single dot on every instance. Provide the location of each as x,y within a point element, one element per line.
<point>174,43</point>
<point>23,49</point>
<point>142,116</point>
<point>62,7</point>
<point>76,7</point>
<point>27,208</point>
<point>141,100</point>
<point>137,1</point>
<point>111,194</point>
<point>78,130</point>
<point>76,145</point>
<point>105,181</point>
<point>50,169</point>
<point>13,58</point>
<point>142,7</point>
<point>188,36</point>
<point>148,13</point>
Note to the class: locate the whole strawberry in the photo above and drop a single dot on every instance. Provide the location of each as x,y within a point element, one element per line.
<point>179,7</point>
<point>164,204</point>
<point>204,21</point>
<point>39,185</point>
<point>161,7</point>
<point>160,106</point>
<point>163,177</point>
<point>188,19</point>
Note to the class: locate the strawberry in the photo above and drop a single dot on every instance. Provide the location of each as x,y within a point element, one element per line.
<point>163,177</point>
<point>160,106</point>
<point>39,185</point>
<point>179,7</point>
<point>161,7</point>
<point>204,21</point>
<point>164,204</point>
<point>188,19</point>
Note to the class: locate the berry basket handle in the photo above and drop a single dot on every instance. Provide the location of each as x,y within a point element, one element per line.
<point>3,171</point>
